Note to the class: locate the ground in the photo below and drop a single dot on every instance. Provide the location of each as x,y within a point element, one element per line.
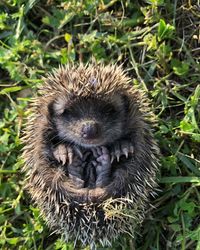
<point>158,43</point>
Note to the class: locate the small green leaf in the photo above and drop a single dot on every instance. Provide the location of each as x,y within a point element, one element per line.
<point>46,20</point>
<point>164,129</point>
<point>186,126</point>
<point>196,137</point>
<point>189,164</point>
<point>175,227</point>
<point>150,40</point>
<point>179,68</point>
<point>187,206</point>
<point>171,219</point>
<point>4,138</point>
<point>165,50</point>
<point>165,31</point>
<point>64,55</point>
<point>68,37</point>
<point>12,241</point>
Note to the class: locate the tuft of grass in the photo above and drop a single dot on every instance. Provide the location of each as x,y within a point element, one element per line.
<point>158,42</point>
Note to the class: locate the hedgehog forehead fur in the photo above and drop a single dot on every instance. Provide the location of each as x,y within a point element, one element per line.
<point>87,80</point>
<point>70,83</point>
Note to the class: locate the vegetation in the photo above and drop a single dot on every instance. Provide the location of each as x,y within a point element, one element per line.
<point>159,44</point>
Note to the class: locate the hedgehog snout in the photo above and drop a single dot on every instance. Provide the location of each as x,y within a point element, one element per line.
<point>90,130</point>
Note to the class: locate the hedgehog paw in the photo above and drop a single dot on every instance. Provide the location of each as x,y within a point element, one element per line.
<point>62,153</point>
<point>75,171</point>
<point>102,165</point>
<point>123,148</point>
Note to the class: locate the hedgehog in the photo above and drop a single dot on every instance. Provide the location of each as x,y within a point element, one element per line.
<point>90,155</point>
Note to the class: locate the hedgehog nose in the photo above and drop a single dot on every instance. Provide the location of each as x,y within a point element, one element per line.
<point>90,130</point>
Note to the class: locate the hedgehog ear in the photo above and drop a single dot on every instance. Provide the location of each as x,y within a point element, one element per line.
<point>57,107</point>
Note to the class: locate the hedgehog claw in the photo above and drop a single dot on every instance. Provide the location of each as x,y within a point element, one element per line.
<point>122,148</point>
<point>70,155</point>
<point>118,156</point>
<point>63,153</point>
<point>132,149</point>
<point>125,151</point>
<point>63,159</point>
<point>60,153</point>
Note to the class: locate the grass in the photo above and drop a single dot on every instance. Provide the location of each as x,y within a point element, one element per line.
<point>159,44</point>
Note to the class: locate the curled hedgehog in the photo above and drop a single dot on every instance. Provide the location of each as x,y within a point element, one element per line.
<point>90,156</point>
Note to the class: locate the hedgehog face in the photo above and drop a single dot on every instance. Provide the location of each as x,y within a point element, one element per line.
<point>89,121</point>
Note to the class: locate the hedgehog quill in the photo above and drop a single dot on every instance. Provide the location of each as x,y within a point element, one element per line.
<point>90,156</point>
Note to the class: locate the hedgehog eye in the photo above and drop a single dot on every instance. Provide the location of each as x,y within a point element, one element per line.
<point>109,109</point>
<point>66,112</point>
